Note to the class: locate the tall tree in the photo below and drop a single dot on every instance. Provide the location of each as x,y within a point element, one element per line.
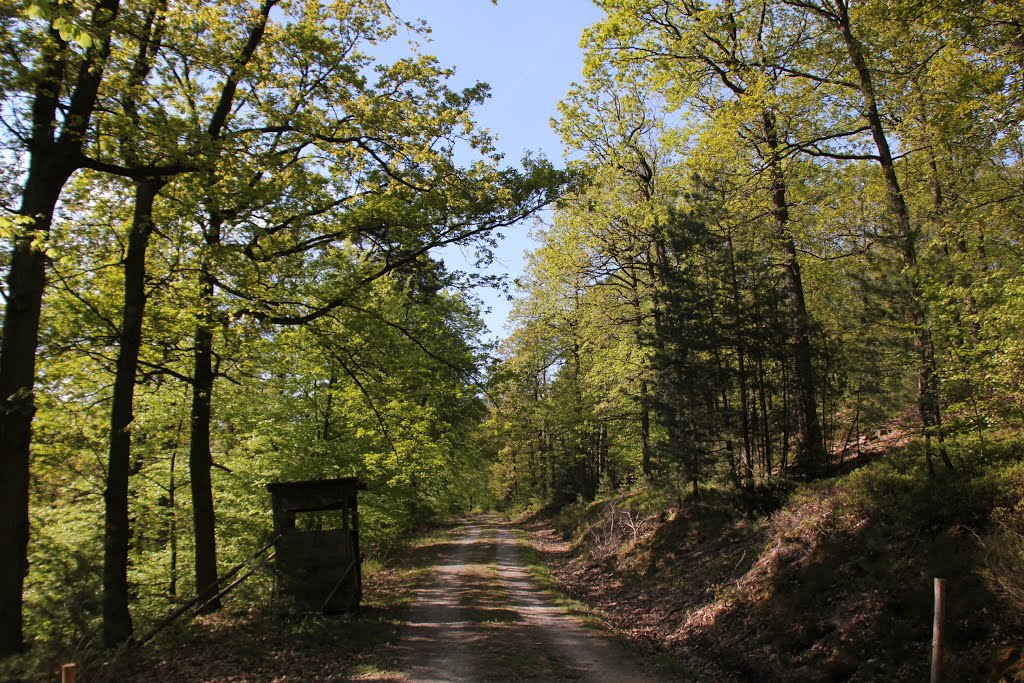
<point>622,212</point>
<point>117,625</point>
<point>836,16</point>
<point>200,459</point>
<point>722,61</point>
<point>52,132</point>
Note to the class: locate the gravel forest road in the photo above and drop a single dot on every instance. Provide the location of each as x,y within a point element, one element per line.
<point>481,617</point>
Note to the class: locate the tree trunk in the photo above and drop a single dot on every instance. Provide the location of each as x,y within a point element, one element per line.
<point>25,283</point>
<point>730,447</point>
<point>48,171</point>
<point>117,621</point>
<point>766,435</point>
<point>741,369</point>
<point>332,380</point>
<point>645,430</point>
<point>200,461</point>
<point>644,398</point>
<point>784,457</point>
<point>810,450</point>
<point>172,511</point>
<point>928,403</point>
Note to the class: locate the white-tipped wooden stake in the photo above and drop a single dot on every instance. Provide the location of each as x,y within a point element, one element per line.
<point>937,628</point>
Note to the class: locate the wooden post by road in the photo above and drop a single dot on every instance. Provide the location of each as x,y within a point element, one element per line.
<point>937,629</point>
<point>68,673</point>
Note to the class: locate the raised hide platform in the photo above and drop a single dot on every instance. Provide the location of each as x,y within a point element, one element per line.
<point>318,562</point>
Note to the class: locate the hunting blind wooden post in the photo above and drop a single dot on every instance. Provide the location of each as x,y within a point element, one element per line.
<point>317,547</point>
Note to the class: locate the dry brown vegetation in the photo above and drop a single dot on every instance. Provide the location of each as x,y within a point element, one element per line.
<point>835,585</point>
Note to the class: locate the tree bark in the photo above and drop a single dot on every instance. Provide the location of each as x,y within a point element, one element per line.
<point>766,435</point>
<point>172,512</point>
<point>644,399</point>
<point>49,169</point>
<point>25,284</point>
<point>200,460</point>
<point>117,621</point>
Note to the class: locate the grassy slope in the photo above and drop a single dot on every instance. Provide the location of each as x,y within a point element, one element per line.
<point>835,585</point>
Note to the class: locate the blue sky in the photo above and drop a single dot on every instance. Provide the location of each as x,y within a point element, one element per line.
<point>528,51</point>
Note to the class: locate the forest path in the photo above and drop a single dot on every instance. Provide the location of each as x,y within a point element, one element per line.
<point>481,617</point>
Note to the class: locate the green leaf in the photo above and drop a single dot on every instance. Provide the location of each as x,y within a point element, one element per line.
<point>37,9</point>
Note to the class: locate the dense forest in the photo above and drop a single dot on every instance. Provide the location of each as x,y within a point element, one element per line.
<point>789,227</point>
<point>801,220</point>
<point>223,217</point>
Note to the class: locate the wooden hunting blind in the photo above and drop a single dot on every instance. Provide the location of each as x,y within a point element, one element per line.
<point>317,528</point>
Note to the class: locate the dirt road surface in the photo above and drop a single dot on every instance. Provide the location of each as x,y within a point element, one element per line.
<point>481,617</point>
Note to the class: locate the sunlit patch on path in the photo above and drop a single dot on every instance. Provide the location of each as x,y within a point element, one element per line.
<point>589,654</point>
<point>436,642</point>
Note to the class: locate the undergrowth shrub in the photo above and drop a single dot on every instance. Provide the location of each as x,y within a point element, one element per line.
<point>1003,560</point>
